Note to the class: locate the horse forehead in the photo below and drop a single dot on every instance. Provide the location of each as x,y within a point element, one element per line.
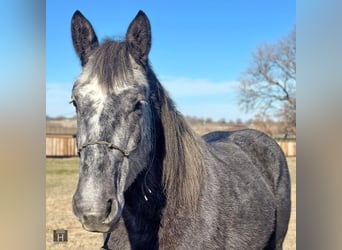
<point>90,88</point>
<point>89,83</point>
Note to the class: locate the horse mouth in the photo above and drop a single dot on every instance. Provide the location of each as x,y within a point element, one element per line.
<point>92,224</point>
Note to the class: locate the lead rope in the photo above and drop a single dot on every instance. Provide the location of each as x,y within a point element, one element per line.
<point>105,243</point>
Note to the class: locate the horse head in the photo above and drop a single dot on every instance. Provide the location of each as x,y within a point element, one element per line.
<point>111,97</point>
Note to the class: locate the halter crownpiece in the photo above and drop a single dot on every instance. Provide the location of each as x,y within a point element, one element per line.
<point>110,145</point>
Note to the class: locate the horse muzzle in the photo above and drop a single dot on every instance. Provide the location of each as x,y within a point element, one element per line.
<point>96,218</point>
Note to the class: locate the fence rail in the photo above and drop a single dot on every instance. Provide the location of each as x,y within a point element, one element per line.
<point>65,146</point>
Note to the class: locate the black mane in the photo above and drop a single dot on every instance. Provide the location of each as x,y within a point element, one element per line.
<point>110,63</point>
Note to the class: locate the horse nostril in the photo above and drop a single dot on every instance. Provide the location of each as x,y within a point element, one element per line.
<point>85,218</point>
<point>109,207</point>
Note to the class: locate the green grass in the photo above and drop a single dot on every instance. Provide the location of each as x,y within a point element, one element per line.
<point>58,171</point>
<point>61,166</point>
<point>62,162</point>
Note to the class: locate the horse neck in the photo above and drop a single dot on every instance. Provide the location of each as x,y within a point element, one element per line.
<point>145,199</point>
<point>172,180</point>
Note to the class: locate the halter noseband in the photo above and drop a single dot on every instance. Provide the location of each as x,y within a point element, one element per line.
<point>125,152</point>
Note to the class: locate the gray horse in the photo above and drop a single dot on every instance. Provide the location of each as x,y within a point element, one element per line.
<point>147,181</point>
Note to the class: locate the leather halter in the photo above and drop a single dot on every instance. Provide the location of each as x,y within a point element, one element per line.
<point>110,145</point>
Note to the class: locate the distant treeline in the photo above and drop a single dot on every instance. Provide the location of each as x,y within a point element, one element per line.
<point>276,129</point>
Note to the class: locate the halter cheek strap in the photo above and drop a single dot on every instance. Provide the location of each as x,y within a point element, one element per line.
<point>125,152</point>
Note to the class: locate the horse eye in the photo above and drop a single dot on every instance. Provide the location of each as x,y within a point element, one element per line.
<point>73,103</point>
<point>139,104</point>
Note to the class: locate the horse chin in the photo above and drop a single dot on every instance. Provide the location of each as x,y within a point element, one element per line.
<point>96,228</point>
<point>102,228</point>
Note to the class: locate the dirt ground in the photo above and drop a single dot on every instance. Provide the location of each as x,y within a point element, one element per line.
<point>61,181</point>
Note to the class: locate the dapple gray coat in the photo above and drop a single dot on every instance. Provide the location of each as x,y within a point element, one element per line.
<point>146,180</point>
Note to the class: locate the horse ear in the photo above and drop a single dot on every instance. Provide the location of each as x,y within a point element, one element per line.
<point>83,36</point>
<point>139,37</point>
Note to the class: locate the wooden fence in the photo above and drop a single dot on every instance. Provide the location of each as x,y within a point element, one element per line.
<point>65,146</point>
<point>289,147</point>
<point>60,145</point>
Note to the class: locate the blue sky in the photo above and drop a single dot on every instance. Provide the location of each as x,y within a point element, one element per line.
<point>199,48</point>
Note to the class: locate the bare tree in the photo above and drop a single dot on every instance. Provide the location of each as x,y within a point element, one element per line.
<point>269,83</point>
